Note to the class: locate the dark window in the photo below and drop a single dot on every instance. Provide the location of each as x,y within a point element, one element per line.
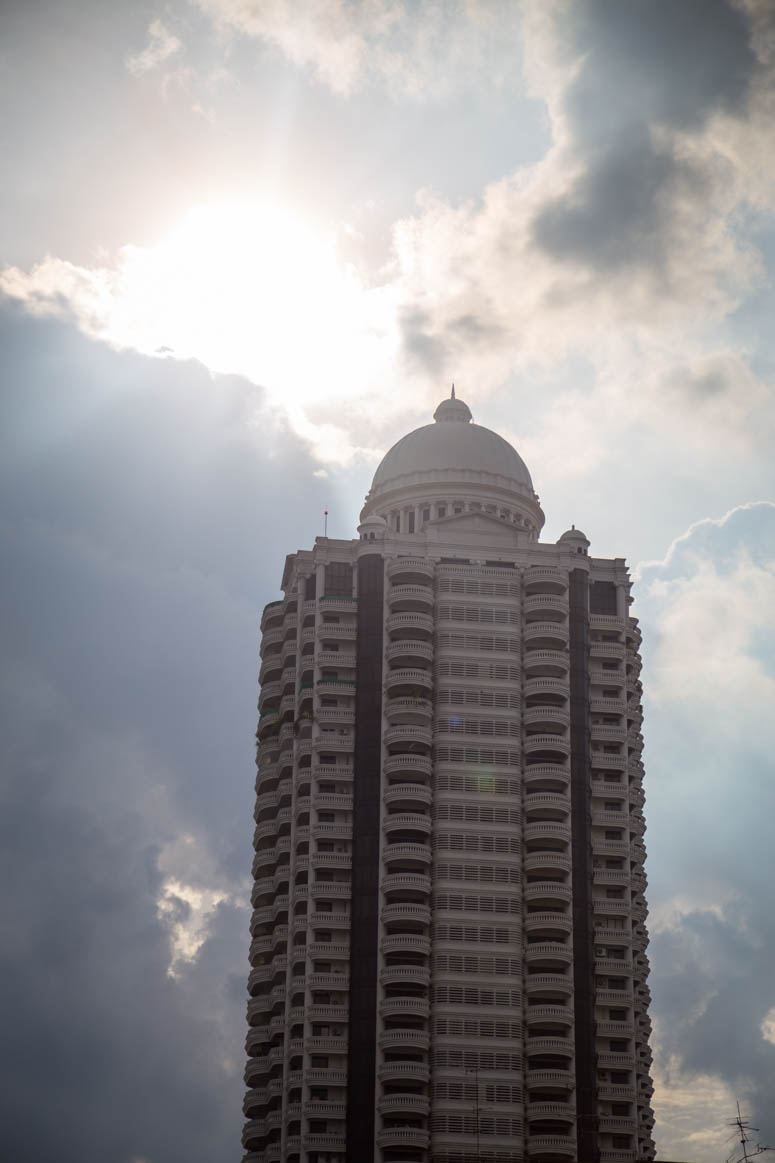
<point>602,597</point>
<point>620,1142</point>
<point>310,587</point>
<point>411,522</point>
<point>622,1109</point>
<point>620,1077</point>
<point>617,1015</point>
<point>618,1045</point>
<point>426,514</point>
<point>442,510</point>
<point>339,579</point>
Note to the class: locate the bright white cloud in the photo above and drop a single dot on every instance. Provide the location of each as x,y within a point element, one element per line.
<point>162,44</point>
<point>420,52</point>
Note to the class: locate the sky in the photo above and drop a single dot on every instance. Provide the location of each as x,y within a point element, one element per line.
<point>244,246</point>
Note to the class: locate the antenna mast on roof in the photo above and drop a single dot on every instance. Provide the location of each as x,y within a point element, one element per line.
<point>743,1127</point>
<point>452,395</point>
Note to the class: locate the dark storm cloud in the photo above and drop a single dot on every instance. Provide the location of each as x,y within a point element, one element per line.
<point>137,498</point>
<point>642,66</point>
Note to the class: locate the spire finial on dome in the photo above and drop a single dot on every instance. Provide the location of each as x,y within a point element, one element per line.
<point>452,393</point>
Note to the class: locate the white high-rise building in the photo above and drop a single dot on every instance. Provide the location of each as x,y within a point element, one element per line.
<point>448,954</point>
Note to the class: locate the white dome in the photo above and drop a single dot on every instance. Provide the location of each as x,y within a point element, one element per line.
<point>453,443</point>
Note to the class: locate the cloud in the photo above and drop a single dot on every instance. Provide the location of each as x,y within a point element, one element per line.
<point>708,614</point>
<point>162,44</point>
<point>423,53</point>
<point>138,495</point>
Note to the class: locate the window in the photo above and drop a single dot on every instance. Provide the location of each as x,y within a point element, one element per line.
<point>458,510</point>
<point>426,514</point>
<point>410,527</point>
<point>613,834</point>
<point>318,1093</point>
<point>622,1109</point>
<point>442,510</point>
<point>608,805</point>
<point>620,1142</point>
<point>617,1015</point>
<point>326,817</point>
<point>310,587</point>
<point>339,579</point>
<point>325,846</point>
<point>618,1045</point>
<point>398,522</point>
<point>319,1061</point>
<point>602,597</point>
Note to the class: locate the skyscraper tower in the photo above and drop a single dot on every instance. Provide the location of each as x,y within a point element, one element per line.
<point>448,954</point>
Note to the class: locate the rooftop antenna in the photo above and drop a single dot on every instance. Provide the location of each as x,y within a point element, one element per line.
<point>325,522</point>
<point>452,396</point>
<point>743,1128</point>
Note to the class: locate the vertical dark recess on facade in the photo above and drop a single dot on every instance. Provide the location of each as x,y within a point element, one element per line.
<point>362,1048</point>
<point>581,835</point>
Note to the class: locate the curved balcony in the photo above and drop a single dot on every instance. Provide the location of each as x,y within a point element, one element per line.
<point>402,851</point>
<point>406,764</point>
<point>544,983</point>
<point>256,1040</point>
<point>411,623</point>
<point>606,678</point>
<point>409,734</point>
<point>416,570</point>
<point>405,943</point>
<point>536,922</point>
<point>272,636</point>
<point>400,974</point>
<point>330,860</point>
<point>413,1071</point>
<point>555,602</point>
<point>253,1134</point>
<point>546,772</point>
<point>545,579</point>
<point>538,861</point>
<point>254,1102</point>
<point>549,951</point>
<point>397,652</point>
<point>407,822</point>
<point>405,911</point>
<point>549,1079</point>
<point>408,794</point>
<point>258,1010</point>
<point>391,1007</point>
<point>411,1103</point>
<point>608,965</point>
<point>538,635</point>
<point>415,882</point>
<point>540,1015</point>
<point>329,1141</point>
<point>406,596</point>
<point>545,664</point>
<point>550,745</point>
<point>555,719</point>
<point>548,1044</point>
<point>550,686</point>
<point>419,711</point>
<point>547,891</point>
<point>547,830</point>
<point>541,800</point>
<point>402,1137</point>
<point>560,1111</point>
<point>404,1039</point>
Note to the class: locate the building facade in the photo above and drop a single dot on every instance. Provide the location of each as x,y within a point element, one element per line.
<point>448,956</point>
